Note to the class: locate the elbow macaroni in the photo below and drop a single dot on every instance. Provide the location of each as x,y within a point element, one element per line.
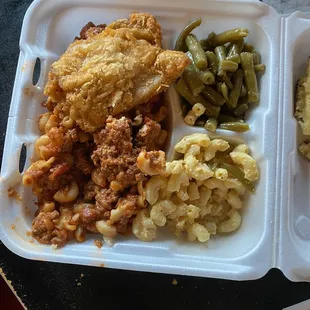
<point>190,197</point>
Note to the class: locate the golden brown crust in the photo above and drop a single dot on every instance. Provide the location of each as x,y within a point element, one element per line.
<point>143,25</point>
<point>112,72</point>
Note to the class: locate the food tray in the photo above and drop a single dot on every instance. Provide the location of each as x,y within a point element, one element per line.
<point>269,235</point>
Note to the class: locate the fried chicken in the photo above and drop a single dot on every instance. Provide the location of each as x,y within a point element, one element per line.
<point>113,71</point>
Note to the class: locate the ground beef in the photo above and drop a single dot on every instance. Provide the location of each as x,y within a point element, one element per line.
<point>70,137</point>
<point>88,213</point>
<point>58,170</point>
<point>148,134</point>
<point>106,200</point>
<point>115,154</point>
<point>82,160</point>
<point>117,135</point>
<point>44,230</point>
<point>130,207</point>
<point>90,191</point>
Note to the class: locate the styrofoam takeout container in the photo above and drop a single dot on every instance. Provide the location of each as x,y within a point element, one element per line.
<point>276,220</point>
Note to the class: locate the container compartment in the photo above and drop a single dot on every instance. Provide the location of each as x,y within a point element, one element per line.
<point>295,192</point>
<point>49,27</point>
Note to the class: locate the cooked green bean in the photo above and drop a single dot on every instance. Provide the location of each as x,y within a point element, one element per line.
<point>224,90</point>
<point>199,55</point>
<point>180,43</point>
<point>221,55</point>
<point>235,58</point>
<point>235,126</point>
<point>205,43</point>
<point>249,76</point>
<point>260,68</point>
<point>243,100</point>
<point>224,118</point>
<point>228,65</point>
<point>185,92</point>
<point>240,44</point>
<point>211,124</point>
<point>237,173</point>
<point>229,36</point>
<point>248,48</point>
<point>192,79</point>
<point>233,50</point>
<point>240,110</point>
<point>205,75</point>
<point>213,96</point>
<point>218,87</point>
<point>212,61</point>
<point>243,91</point>
<point>219,158</point>
<point>256,57</point>
<point>235,92</point>
<point>227,81</point>
<point>212,110</point>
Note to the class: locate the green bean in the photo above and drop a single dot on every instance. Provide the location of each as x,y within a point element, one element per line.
<point>227,81</point>
<point>211,124</point>
<point>235,126</point>
<point>240,110</point>
<point>228,65</point>
<point>199,56</point>
<point>235,92</point>
<point>218,87</point>
<point>256,57</point>
<point>260,69</point>
<point>224,118</point>
<point>185,92</point>
<point>243,100</point>
<point>229,36</point>
<point>235,58</point>
<point>249,76</point>
<point>240,44</point>
<point>237,173</point>
<point>192,79</point>
<point>212,110</point>
<point>212,61</point>
<point>205,43</point>
<point>219,158</point>
<point>243,91</point>
<point>213,96</point>
<point>224,90</point>
<point>248,48</point>
<point>221,55</point>
<point>180,43</point>
<point>205,75</point>
<point>234,50</point>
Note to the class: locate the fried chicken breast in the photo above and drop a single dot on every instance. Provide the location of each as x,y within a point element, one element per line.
<point>112,71</point>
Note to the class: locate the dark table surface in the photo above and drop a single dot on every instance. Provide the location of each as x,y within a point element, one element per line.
<point>44,285</point>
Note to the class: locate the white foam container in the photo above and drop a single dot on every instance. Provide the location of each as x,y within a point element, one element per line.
<point>276,220</point>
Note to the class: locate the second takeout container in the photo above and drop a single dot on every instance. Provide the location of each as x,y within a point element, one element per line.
<point>275,231</point>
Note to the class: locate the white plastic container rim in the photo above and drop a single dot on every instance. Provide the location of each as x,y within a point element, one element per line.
<point>275,232</point>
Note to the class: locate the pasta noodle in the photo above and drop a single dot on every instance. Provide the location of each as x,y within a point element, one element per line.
<point>192,198</point>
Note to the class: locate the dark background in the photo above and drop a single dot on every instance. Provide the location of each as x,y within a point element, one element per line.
<point>44,285</point>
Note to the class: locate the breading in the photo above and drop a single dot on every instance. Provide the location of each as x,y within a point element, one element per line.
<point>113,71</point>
